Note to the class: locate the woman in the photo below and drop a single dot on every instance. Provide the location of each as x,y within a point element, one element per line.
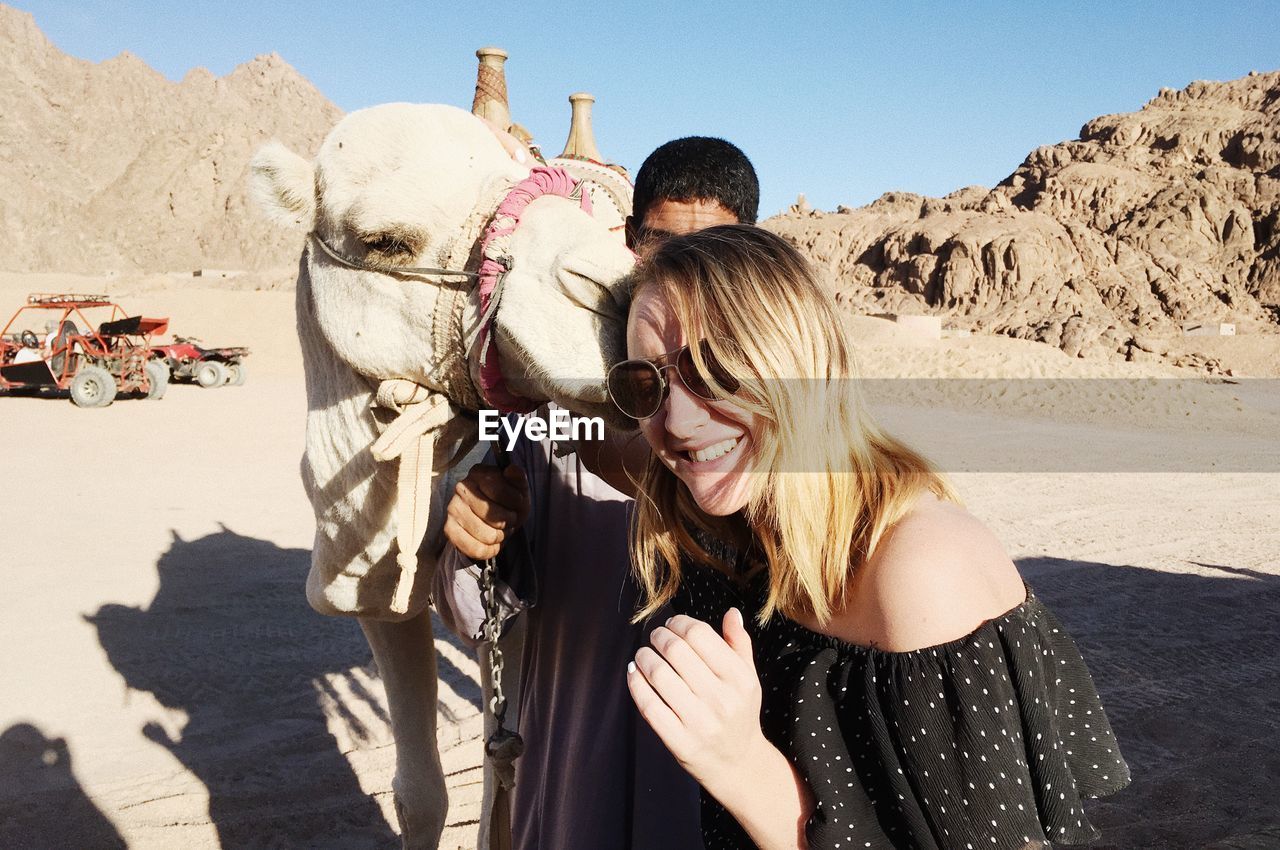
<point>896,685</point>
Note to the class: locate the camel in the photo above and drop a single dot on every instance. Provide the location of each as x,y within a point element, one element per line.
<point>396,362</point>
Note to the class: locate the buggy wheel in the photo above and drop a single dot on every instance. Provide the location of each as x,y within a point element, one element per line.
<point>236,374</point>
<point>157,378</point>
<point>93,386</point>
<point>210,374</point>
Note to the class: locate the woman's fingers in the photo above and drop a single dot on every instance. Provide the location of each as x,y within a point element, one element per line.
<point>736,636</point>
<point>685,660</point>
<point>701,694</point>
<point>675,692</point>
<point>655,711</point>
<point>715,653</point>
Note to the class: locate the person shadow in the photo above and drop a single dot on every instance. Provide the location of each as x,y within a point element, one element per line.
<point>1188,666</point>
<point>230,640</point>
<point>41,802</point>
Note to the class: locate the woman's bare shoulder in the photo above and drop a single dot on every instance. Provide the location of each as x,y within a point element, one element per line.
<point>937,575</point>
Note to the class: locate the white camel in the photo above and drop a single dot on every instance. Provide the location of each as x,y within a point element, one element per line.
<point>392,366</point>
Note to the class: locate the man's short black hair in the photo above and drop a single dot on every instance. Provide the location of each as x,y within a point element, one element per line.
<point>698,168</point>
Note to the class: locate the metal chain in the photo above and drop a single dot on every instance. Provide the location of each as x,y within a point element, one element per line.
<point>491,632</point>
<point>504,745</point>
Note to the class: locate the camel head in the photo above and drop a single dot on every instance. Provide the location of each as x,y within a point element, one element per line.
<point>410,185</point>
<point>399,187</point>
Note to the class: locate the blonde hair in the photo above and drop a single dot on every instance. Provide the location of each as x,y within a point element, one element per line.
<point>828,483</point>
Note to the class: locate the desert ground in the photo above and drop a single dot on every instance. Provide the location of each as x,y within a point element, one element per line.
<point>164,683</point>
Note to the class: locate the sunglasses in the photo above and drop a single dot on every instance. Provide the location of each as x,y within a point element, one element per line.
<point>639,387</point>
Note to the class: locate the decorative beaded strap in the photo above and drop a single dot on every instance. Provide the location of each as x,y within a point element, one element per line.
<point>496,265</point>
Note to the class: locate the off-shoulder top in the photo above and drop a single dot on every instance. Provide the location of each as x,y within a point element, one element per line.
<point>991,741</point>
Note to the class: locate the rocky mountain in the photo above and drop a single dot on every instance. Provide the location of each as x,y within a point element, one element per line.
<point>110,166</point>
<point>1100,245</point>
<point>1150,220</point>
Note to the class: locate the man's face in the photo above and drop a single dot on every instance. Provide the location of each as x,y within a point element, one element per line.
<point>666,218</point>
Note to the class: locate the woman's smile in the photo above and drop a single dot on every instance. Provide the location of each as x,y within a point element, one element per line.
<point>713,452</point>
<point>707,444</point>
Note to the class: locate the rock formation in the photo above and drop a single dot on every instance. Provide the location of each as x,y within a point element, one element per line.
<point>110,166</point>
<point>1149,220</point>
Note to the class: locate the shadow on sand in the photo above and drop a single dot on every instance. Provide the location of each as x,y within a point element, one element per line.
<point>1188,667</point>
<point>230,640</point>
<point>1189,671</point>
<point>36,781</point>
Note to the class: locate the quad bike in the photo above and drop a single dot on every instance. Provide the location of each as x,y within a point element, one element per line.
<point>186,360</point>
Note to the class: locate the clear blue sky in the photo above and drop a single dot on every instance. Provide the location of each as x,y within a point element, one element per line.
<point>840,100</point>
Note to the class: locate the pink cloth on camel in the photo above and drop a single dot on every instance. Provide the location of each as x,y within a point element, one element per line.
<point>540,182</point>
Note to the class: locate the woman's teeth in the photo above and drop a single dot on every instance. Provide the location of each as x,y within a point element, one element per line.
<point>713,452</point>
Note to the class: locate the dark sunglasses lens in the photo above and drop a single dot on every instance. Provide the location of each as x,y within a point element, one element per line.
<point>694,380</point>
<point>636,388</point>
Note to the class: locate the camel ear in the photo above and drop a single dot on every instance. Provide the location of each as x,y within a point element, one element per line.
<point>283,184</point>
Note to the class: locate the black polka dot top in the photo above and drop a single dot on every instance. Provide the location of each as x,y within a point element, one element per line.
<point>990,741</point>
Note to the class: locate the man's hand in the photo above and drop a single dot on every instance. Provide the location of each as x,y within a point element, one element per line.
<point>487,507</point>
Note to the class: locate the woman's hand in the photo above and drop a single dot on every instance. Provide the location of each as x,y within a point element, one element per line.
<point>701,695</point>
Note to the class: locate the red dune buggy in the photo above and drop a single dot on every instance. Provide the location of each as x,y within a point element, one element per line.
<point>85,345</point>
<point>186,360</point>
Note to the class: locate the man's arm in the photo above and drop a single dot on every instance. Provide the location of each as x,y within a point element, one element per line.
<point>619,459</point>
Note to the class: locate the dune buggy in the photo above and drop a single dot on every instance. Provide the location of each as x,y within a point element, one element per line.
<point>85,345</point>
<point>187,360</point>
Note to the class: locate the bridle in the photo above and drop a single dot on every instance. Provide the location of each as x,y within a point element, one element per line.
<point>414,271</point>
<point>494,266</point>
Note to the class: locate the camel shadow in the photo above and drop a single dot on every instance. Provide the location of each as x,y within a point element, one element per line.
<point>230,640</point>
<point>41,802</point>
<point>1189,671</point>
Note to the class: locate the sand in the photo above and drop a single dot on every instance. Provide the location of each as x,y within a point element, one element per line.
<point>165,684</point>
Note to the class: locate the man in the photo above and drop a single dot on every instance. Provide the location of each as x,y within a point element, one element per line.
<point>593,774</point>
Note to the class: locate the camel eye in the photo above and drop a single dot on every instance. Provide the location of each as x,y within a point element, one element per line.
<point>386,244</point>
<point>393,246</point>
